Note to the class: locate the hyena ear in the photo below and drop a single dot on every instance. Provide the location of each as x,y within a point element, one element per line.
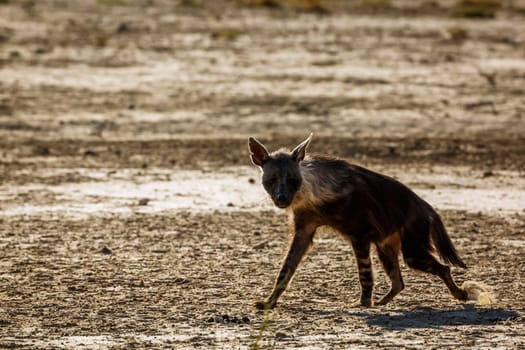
<point>299,152</point>
<point>258,152</point>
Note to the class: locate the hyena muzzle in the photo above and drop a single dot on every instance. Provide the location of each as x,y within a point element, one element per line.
<point>367,208</point>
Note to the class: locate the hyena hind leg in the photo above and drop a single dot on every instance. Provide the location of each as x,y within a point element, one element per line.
<point>388,253</point>
<point>417,255</point>
<point>427,263</point>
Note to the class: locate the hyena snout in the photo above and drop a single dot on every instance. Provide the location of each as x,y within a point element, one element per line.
<point>282,197</point>
<point>282,200</point>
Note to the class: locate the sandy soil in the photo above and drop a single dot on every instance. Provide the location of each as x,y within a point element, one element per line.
<point>130,216</point>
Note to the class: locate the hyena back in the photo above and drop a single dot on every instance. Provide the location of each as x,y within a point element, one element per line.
<point>365,207</point>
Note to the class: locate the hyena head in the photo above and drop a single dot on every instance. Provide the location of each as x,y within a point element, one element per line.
<point>281,176</point>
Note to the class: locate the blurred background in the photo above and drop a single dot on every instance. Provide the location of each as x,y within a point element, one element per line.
<point>155,68</point>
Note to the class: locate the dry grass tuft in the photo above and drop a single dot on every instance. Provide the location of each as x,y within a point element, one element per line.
<point>476,8</point>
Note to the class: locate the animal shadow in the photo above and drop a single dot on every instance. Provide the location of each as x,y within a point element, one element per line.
<point>425,317</point>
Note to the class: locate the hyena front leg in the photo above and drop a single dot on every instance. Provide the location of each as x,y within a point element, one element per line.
<point>364,265</point>
<point>302,239</point>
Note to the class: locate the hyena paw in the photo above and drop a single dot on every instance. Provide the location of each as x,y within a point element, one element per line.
<point>361,303</point>
<point>384,300</point>
<point>264,305</point>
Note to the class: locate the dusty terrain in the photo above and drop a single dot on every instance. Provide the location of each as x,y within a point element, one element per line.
<point>130,216</point>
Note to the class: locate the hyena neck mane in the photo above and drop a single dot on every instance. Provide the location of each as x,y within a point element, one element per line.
<point>324,179</point>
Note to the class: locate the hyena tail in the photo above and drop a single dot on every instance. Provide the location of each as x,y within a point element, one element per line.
<point>478,292</point>
<point>443,244</point>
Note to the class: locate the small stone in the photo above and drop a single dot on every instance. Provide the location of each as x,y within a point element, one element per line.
<point>260,245</point>
<point>488,173</point>
<point>143,201</point>
<point>280,335</point>
<point>106,251</point>
<point>41,151</point>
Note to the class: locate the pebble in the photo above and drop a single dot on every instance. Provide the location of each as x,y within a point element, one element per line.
<point>227,319</point>
<point>106,251</point>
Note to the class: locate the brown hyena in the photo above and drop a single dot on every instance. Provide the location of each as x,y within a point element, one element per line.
<point>365,207</point>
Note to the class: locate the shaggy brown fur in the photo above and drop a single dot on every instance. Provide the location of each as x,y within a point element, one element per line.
<point>365,207</point>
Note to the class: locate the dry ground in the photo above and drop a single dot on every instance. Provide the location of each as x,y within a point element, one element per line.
<point>103,101</point>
